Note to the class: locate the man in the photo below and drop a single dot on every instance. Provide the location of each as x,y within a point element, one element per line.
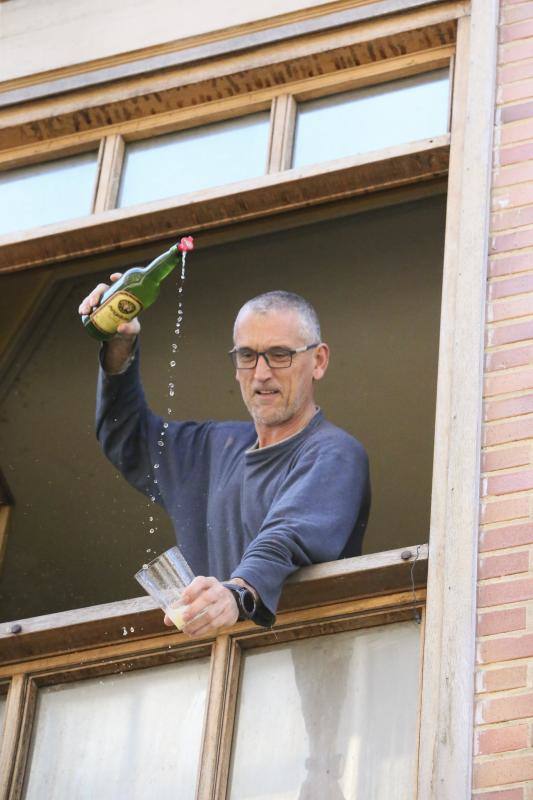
<point>250,503</point>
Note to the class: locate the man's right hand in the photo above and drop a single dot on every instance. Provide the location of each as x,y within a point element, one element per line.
<point>119,348</point>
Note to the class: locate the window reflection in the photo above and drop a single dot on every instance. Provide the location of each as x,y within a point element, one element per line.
<point>370,119</point>
<point>195,159</point>
<point>45,193</point>
<point>323,718</point>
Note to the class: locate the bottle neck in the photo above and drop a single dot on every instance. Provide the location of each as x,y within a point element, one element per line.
<point>163,265</point>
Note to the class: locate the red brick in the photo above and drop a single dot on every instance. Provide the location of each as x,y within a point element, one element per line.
<point>516,111</point>
<point>520,90</point>
<point>507,382</point>
<point>506,648</point>
<point>519,131</point>
<point>515,14</point>
<point>508,483</point>
<point>512,173</point>
<point>512,155</point>
<point>506,709</point>
<point>504,432</point>
<point>505,794</point>
<point>505,564</point>
<point>510,308</point>
<point>518,30</point>
<point>496,594</point>
<point>506,536</point>
<point>510,357</point>
<point>513,407</point>
<point>503,770</point>
<point>515,72</point>
<point>518,195</point>
<point>500,510</point>
<point>505,457</point>
<point>501,740</point>
<point>514,51</point>
<point>504,621</point>
<point>506,334</point>
<point>498,680</point>
<point>511,218</point>
<point>501,794</point>
<point>519,284</point>
<point>512,241</point>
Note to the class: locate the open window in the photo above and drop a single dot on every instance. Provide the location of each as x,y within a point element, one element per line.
<point>357,224</point>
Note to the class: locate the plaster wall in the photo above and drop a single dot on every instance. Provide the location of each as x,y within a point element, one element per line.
<point>41,35</point>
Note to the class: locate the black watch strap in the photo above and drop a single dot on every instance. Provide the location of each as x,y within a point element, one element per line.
<point>249,607</point>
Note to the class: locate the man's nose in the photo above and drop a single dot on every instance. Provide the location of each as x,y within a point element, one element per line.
<point>262,370</point>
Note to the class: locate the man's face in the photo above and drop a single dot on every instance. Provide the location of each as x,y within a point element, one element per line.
<point>277,396</point>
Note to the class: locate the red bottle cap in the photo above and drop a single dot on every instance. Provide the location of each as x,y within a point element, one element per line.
<point>186,243</point>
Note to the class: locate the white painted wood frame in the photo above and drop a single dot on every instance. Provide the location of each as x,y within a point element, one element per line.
<point>447,701</point>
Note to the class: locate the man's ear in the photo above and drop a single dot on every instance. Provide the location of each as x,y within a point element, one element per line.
<point>321,361</point>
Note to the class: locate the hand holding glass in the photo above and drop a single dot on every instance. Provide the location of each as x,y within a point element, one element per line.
<point>164,579</point>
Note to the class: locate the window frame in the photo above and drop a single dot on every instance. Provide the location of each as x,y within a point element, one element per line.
<point>368,591</point>
<point>281,189</point>
<point>446,722</point>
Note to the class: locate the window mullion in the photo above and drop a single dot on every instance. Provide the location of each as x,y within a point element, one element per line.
<point>20,713</point>
<point>219,679</point>
<point>231,691</point>
<point>282,125</point>
<point>111,158</point>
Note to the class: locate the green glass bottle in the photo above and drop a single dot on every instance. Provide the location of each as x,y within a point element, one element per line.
<point>134,291</point>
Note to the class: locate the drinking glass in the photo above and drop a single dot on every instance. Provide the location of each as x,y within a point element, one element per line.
<point>164,578</point>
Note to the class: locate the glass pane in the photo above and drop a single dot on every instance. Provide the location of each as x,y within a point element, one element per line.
<point>46,193</point>
<point>329,717</point>
<point>134,736</point>
<point>3,701</point>
<point>371,119</point>
<point>195,159</point>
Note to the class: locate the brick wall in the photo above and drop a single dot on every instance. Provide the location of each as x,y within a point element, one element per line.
<point>503,764</point>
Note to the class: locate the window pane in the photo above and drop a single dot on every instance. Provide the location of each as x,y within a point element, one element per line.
<point>371,119</point>
<point>134,736</point>
<point>3,701</point>
<point>195,159</point>
<point>46,193</point>
<point>329,717</point>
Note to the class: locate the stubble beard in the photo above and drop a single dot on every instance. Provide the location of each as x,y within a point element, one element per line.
<point>275,416</point>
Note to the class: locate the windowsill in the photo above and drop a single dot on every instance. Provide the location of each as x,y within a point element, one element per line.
<point>336,582</point>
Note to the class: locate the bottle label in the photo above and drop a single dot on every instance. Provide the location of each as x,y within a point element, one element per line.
<point>120,307</point>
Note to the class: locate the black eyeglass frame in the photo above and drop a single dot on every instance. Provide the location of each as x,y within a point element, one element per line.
<point>233,355</point>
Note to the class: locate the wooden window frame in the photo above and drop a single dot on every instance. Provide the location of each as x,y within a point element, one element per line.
<point>446,724</point>
<point>427,36</point>
<point>356,593</point>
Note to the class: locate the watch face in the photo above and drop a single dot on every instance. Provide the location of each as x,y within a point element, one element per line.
<point>248,602</point>
<point>244,599</point>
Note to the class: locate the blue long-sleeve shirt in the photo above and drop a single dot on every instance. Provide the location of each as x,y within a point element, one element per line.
<point>240,511</point>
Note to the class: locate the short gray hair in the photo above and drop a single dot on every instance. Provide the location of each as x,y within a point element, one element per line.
<point>285,301</point>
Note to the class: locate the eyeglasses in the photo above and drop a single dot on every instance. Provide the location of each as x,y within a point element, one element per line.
<point>275,357</point>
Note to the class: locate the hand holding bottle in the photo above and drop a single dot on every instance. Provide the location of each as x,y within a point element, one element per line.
<point>134,291</point>
<point>92,301</point>
<point>109,313</point>
<point>119,348</point>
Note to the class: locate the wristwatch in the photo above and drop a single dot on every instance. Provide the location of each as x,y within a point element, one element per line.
<point>245,600</point>
<point>249,607</point>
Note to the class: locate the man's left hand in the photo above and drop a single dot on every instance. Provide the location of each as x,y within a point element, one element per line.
<point>208,606</point>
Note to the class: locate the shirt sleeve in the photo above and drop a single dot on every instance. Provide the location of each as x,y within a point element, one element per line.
<point>317,510</point>
<point>159,459</point>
